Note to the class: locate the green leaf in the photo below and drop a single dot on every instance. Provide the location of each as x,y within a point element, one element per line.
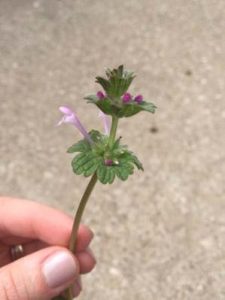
<point>123,172</point>
<point>85,163</point>
<point>91,158</point>
<point>103,82</point>
<point>92,99</point>
<point>129,157</point>
<point>106,174</point>
<point>111,174</point>
<point>121,109</point>
<point>91,170</point>
<point>75,164</point>
<point>81,146</point>
<point>117,82</point>
<point>97,137</point>
<point>148,106</point>
<point>108,107</point>
<point>101,172</point>
<point>137,162</point>
<point>130,109</point>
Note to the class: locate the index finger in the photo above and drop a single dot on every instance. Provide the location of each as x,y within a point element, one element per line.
<point>34,221</point>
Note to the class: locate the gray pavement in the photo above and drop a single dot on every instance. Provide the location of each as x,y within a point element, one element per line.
<point>161,234</point>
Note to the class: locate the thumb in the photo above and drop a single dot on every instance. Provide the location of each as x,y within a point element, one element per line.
<point>38,276</point>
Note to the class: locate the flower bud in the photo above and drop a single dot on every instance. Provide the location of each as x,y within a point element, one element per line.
<point>100,95</point>
<point>108,162</point>
<point>126,97</point>
<point>138,99</point>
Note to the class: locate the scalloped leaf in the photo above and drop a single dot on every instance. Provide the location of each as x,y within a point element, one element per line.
<point>130,109</point>
<point>104,105</point>
<point>148,106</point>
<point>124,171</point>
<point>130,158</point>
<point>137,162</point>
<point>101,173</point>
<point>91,158</point>
<point>85,163</point>
<point>120,109</point>
<point>92,99</point>
<point>107,107</point>
<point>81,146</point>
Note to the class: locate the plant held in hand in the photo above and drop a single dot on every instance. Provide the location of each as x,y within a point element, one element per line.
<point>101,155</point>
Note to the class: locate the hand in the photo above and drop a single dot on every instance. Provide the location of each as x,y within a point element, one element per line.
<point>47,267</point>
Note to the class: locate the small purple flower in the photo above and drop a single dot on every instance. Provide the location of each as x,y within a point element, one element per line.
<point>70,117</point>
<point>126,97</point>
<point>108,162</point>
<point>106,122</point>
<point>100,95</point>
<point>138,99</point>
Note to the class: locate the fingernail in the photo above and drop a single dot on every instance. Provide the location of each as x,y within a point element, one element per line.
<point>59,269</point>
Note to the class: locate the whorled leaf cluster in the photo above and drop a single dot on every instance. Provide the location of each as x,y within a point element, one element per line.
<point>98,157</point>
<point>115,85</point>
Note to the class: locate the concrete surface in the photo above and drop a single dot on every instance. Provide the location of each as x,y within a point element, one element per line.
<point>160,235</point>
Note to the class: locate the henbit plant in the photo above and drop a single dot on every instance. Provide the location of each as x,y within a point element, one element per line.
<point>101,155</point>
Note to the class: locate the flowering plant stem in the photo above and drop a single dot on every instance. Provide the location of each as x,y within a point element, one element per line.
<point>113,129</point>
<point>84,200</point>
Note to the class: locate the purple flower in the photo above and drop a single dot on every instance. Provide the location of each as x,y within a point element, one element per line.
<point>100,95</point>
<point>70,117</point>
<point>106,122</point>
<point>138,99</point>
<point>126,97</point>
<point>108,162</point>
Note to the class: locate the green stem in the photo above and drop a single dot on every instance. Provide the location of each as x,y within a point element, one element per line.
<point>76,223</point>
<point>113,129</point>
<point>79,213</point>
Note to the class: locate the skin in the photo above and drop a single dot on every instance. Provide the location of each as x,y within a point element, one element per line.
<point>38,227</point>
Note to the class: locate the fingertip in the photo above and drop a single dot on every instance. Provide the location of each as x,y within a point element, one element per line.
<point>77,288</point>
<point>87,261</point>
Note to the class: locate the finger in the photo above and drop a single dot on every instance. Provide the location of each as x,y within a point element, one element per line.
<point>52,270</point>
<point>24,220</point>
<point>84,237</point>
<point>6,256</point>
<point>86,260</point>
<point>33,246</point>
<point>77,287</point>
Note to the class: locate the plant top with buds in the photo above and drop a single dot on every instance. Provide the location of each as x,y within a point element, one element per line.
<point>100,153</point>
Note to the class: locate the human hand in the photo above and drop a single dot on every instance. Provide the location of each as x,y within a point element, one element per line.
<point>47,267</point>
